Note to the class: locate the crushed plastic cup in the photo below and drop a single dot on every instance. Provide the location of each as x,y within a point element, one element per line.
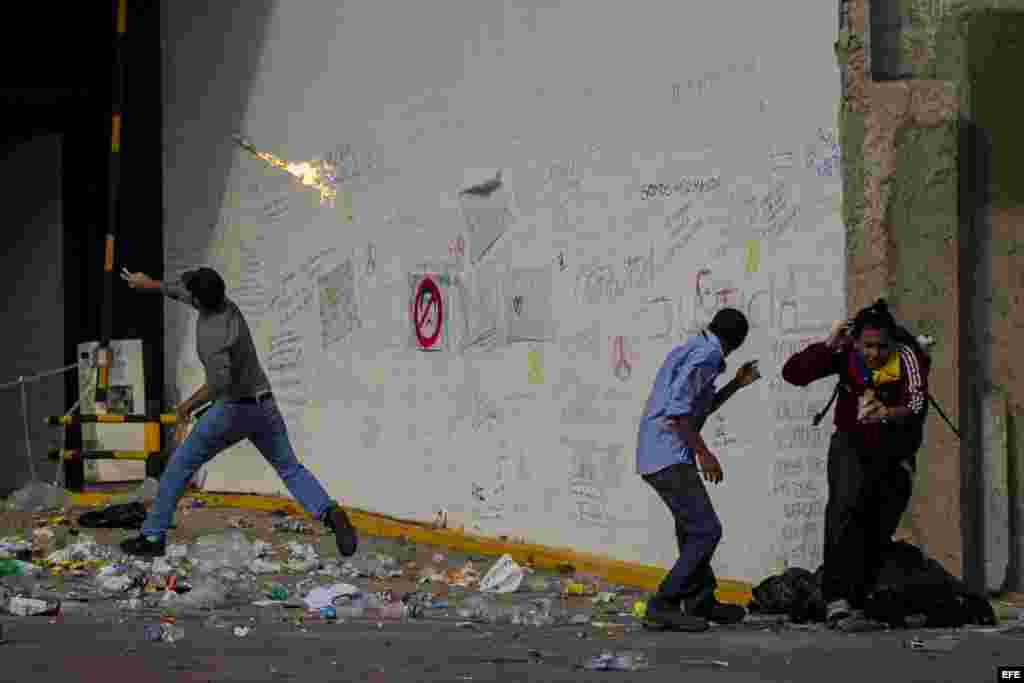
<point>241,631</point>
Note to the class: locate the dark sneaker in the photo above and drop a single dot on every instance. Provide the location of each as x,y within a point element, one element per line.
<point>837,611</point>
<point>344,533</point>
<point>670,618</point>
<point>721,613</point>
<point>143,547</point>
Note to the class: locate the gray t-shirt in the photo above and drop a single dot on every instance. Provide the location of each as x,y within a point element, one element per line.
<point>225,348</point>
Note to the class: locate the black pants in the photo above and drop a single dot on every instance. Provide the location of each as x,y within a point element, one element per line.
<point>867,494</point>
<point>698,532</point>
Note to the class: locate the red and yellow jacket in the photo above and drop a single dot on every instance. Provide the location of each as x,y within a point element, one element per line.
<point>903,381</point>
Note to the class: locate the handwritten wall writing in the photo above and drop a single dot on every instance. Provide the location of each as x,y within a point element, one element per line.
<point>799,436</point>
<point>479,305</point>
<point>489,501</point>
<point>251,294</point>
<point>276,210</point>
<point>707,81</point>
<point>604,284</point>
<point>344,164</point>
<point>783,308</point>
<point>683,187</point>
<point>487,219</point>
<point>593,471</point>
<point>339,312</point>
<point>528,312</point>
<point>286,369</point>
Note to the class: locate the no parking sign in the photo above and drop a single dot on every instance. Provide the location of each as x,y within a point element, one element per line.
<point>427,313</point>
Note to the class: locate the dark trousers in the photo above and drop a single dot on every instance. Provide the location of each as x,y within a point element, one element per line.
<point>867,494</point>
<point>698,531</point>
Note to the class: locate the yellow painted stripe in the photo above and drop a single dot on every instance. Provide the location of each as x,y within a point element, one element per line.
<point>645,577</point>
<point>122,16</point>
<point>108,256</point>
<point>115,136</point>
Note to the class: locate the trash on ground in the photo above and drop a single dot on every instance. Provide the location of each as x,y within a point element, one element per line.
<point>126,516</point>
<point>504,577</point>
<point>241,631</point>
<point>230,549</point>
<point>717,663</point>
<point>621,661</point>
<point>932,645</point>
<point>292,526</point>
<point>38,497</point>
<point>326,596</point>
<point>30,607</point>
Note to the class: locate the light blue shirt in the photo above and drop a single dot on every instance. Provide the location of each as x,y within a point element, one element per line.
<point>685,385</point>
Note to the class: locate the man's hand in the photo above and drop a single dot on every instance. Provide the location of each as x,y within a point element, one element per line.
<point>840,335</point>
<point>136,280</point>
<point>710,466</point>
<point>748,374</point>
<point>181,427</point>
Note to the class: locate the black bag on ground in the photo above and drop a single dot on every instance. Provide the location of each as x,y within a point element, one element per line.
<point>796,592</point>
<point>125,516</point>
<point>909,583</point>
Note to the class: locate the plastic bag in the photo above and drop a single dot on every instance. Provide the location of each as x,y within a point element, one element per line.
<point>504,577</point>
<point>325,596</point>
<point>38,496</point>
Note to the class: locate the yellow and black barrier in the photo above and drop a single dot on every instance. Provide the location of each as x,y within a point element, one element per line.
<point>67,454</point>
<point>64,420</point>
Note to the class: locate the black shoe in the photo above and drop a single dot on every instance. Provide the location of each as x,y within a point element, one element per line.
<point>143,547</point>
<point>344,533</point>
<point>663,615</point>
<point>720,612</point>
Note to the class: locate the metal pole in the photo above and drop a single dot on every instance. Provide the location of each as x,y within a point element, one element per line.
<point>103,356</point>
<point>28,441</point>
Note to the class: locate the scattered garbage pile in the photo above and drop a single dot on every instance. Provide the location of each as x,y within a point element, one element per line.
<point>912,590</point>
<point>232,580</point>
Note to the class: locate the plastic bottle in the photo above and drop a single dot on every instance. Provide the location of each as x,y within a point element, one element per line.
<point>278,592</point>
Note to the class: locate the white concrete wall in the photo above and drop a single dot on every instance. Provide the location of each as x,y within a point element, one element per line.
<point>516,423</point>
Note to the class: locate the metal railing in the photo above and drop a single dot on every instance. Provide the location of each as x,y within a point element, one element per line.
<point>21,382</point>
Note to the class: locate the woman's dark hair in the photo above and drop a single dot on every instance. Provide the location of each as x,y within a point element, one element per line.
<point>730,326</point>
<point>877,317</point>
<point>207,286</point>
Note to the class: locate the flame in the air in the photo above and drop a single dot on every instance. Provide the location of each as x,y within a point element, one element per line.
<point>319,175</point>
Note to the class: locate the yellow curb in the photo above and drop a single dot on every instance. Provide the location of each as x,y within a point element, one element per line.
<point>642,576</point>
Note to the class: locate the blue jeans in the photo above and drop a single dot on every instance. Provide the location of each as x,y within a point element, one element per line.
<point>698,531</point>
<point>224,425</point>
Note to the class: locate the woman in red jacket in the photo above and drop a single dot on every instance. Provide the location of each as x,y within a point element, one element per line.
<point>879,421</point>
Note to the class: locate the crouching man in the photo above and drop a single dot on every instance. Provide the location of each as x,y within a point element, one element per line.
<point>879,426</point>
<point>669,450</point>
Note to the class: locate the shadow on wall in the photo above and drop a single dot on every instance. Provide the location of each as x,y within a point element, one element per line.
<point>992,190</point>
<point>206,92</point>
